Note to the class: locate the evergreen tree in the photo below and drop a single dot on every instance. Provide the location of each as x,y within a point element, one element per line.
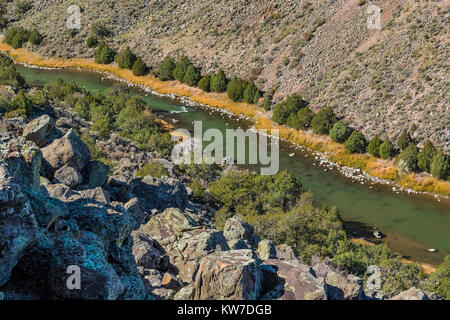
<point>92,42</point>
<point>21,101</point>
<point>305,116</point>
<point>125,59</point>
<point>219,82</point>
<point>250,93</point>
<point>387,149</point>
<point>192,76</point>
<point>294,122</point>
<point>205,83</point>
<point>425,156</point>
<point>323,121</point>
<point>139,67</point>
<point>356,143</point>
<point>440,166</point>
<point>374,146</point>
<point>340,132</point>
<point>165,71</point>
<point>407,160</point>
<point>35,37</point>
<point>404,140</point>
<point>180,68</point>
<point>104,54</point>
<point>236,89</point>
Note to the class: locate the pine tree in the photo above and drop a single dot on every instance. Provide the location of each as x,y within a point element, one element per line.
<point>440,166</point>
<point>323,121</point>
<point>404,140</point>
<point>340,132</point>
<point>125,59</point>
<point>407,160</point>
<point>180,68</point>
<point>387,149</point>
<point>374,146</point>
<point>205,83</point>
<point>192,76</point>
<point>425,156</point>
<point>250,93</point>
<point>356,143</point>
<point>139,67</point>
<point>219,82</point>
<point>165,71</point>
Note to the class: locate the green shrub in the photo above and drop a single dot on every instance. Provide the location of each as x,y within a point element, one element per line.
<point>139,68</point>
<point>35,38</point>
<point>165,71</point>
<point>293,122</point>
<point>374,146</point>
<point>439,281</point>
<point>219,82</point>
<point>192,76</point>
<point>387,149</point>
<point>251,94</point>
<point>154,169</point>
<point>10,76</point>
<point>356,143</point>
<point>16,113</point>
<point>99,30</point>
<point>404,140</point>
<point>92,42</point>
<point>340,132</point>
<point>205,83</point>
<point>323,121</point>
<point>425,156</point>
<point>17,36</point>
<point>82,109</point>
<point>268,96</point>
<point>198,194</point>
<point>440,166</point>
<point>38,98</point>
<point>407,160</point>
<point>125,59</point>
<point>236,89</point>
<point>102,127</point>
<point>22,6</point>
<point>21,101</point>
<point>180,68</point>
<point>104,54</point>
<point>292,105</point>
<point>305,116</point>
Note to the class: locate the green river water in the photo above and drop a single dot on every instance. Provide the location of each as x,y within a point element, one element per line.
<point>412,223</point>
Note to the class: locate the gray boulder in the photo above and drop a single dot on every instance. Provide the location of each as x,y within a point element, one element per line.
<point>411,294</point>
<point>285,252</point>
<point>266,250</point>
<point>39,130</point>
<point>235,229</point>
<point>95,174</point>
<point>341,287</point>
<point>68,176</point>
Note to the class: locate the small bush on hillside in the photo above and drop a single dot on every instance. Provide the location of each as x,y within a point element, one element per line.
<point>356,143</point>
<point>16,37</point>
<point>374,146</point>
<point>323,121</point>
<point>404,140</point>
<point>236,89</point>
<point>387,149</point>
<point>340,132</point>
<point>92,42</point>
<point>99,30</point>
<point>154,169</point>
<point>21,101</point>
<point>35,38</point>
<point>252,94</point>
<point>305,116</point>
<point>22,6</point>
<point>180,68</point>
<point>205,83</point>
<point>165,71</point>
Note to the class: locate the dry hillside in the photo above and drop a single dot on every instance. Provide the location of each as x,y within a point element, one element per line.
<point>380,81</point>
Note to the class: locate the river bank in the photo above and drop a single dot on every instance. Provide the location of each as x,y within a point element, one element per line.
<point>353,166</point>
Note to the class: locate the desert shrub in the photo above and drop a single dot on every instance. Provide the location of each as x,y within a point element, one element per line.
<point>104,54</point>
<point>356,143</point>
<point>340,132</point>
<point>192,76</point>
<point>268,96</point>
<point>387,149</point>
<point>35,38</point>
<point>161,142</point>
<point>323,121</point>
<point>425,156</point>
<point>82,109</point>
<point>218,82</point>
<point>102,127</point>
<point>407,160</point>
<point>236,89</point>
<point>292,105</point>
<point>154,169</point>
<point>38,97</point>
<point>125,59</point>
<point>404,140</point>
<point>99,30</point>
<point>22,6</point>
<point>374,146</point>
<point>21,101</point>
<point>92,42</point>
<point>305,116</point>
<point>293,122</point>
<point>180,68</point>
<point>198,194</point>
<point>439,281</point>
<point>10,76</point>
<point>205,83</point>
<point>165,71</point>
<point>139,68</point>
<point>440,166</point>
<point>251,94</point>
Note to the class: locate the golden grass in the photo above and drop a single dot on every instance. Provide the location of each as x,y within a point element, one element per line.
<point>336,151</point>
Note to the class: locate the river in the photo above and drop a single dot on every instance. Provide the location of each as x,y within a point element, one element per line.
<point>412,223</point>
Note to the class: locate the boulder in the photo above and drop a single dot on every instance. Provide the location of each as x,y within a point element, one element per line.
<point>134,207</point>
<point>411,294</point>
<point>235,229</point>
<point>186,293</point>
<point>12,126</point>
<point>68,176</point>
<point>291,280</point>
<point>285,252</point>
<point>99,280</point>
<point>39,130</point>
<point>68,150</point>
<point>95,174</point>
<point>171,222</point>
<point>230,275</point>
<point>340,287</point>
<point>148,253</point>
<point>266,250</point>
